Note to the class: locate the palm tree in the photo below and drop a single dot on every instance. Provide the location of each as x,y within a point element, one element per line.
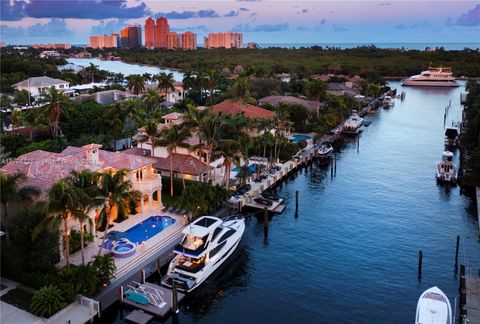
<point>241,88</point>
<point>118,194</point>
<point>147,76</point>
<point>12,190</point>
<point>188,80</point>
<point>64,201</point>
<point>115,122</point>
<point>152,101</point>
<point>58,104</point>
<point>231,153</point>
<point>129,110</point>
<point>173,137</point>
<point>152,133</point>
<point>118,78</point>
<point>136,83</point>
<point>87,181</point>
<point>211,81</point>
<point>165,82</point>
<point>316,90</point>
<point>93,69</point>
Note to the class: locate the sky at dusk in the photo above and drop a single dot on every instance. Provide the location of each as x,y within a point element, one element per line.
<point>263,21</point>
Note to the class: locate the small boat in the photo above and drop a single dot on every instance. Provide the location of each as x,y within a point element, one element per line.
<point>433,307</point>
<point>446,169</point>
<point>433,77</point>
<point>206,244</point>
<point>324,150</point>
<point>270,196</point>
<point>451,136</point>
<point>353,125</point>
<point>388,102</point>
<point>263,201</point>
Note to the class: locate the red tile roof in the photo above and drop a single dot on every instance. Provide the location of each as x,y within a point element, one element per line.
<point>182,163</point>
<point>44,168</point>
<point>231,107</point>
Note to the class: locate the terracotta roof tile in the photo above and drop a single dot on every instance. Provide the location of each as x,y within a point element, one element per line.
<point>231,107</point>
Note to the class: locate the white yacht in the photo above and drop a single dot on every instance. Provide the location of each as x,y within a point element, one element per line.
<point>388,102</point>
<point>451,136</point>
<point>206,244</point>
<point>433,77</point>
<point>353,125</point>
<point>433,307</point>
<point>446,169</point>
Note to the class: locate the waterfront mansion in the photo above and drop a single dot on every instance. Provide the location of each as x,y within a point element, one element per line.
<point>43,168</point>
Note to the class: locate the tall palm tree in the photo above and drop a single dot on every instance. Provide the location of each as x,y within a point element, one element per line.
<point>64,201</point>
<point>118,78</point>
<point>12,190</point>
<point>118,193</point>
<point>211,81</point>
<point>93,69</point>
<point>87,181</point>
<point>152,101</point>
<point>129,110</point>
<point>172,138</point>
<point>316,89</point>
<point>58,104</point>
<point>188,80</point>
<point>200,80</point>
<point>230,150</point>
<point>152,133</point>
<point>115,122</point>
<point>136,83</point>
<point>165,82</point>
<point>241,88</point>
<point>147,76</point>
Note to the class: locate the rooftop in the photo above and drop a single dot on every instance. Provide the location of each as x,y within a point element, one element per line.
<point>231,107</point>
<point>39,82</point>
<point>310,105</point>
<point>105,97</point>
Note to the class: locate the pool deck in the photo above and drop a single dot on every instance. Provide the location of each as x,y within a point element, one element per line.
<point>123,264</point>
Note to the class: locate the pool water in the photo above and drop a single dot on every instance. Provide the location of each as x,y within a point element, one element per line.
<point>146,230</point>
<point>250,166</point>
<point>298,138</point>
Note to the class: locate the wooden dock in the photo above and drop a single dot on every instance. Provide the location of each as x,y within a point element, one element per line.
<point>472,305</point>
<point>138,317</point>
<point>161,301</point>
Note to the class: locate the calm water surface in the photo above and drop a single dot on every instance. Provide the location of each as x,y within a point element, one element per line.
<point>351,255</point>
<point>123,67</point>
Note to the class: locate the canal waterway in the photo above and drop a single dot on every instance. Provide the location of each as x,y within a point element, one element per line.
<point>351,254</point>
<point>125,68</point>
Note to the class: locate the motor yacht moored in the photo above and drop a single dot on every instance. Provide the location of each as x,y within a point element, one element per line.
<point>206,244</point>
<point>433,307</point>
<point>433,77</point>
<point>446,169</point>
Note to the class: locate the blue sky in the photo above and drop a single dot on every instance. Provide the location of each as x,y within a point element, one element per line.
<point>263,21</point>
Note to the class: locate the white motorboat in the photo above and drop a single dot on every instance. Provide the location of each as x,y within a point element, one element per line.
<point>206,244</point>
<point>433,307</point>
<point>324,150</point>
<point>353,125</point>
<point>451,136</point>
<point>446,169</point>
<point>433,77</point>
<point>388,102</point>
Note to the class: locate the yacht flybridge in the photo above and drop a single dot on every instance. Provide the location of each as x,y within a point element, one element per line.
<point>433,77</point>
<point>446,169</point>
<point>433,307</point>
<point>206,244</point>
<point>353,125</point>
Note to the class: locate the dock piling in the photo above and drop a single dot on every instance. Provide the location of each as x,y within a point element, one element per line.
<point>463,289</point>
<point>335,165</point>
<point>296,201</point>
<point>174,298</point>
<point>456,252</point>
<point>265,224</point>
<point>420,257</point>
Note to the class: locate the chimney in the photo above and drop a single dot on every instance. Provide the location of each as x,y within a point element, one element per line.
<point>92,153</point>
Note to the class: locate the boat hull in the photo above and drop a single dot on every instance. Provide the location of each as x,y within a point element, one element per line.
<point>433,307</point>
<point>414,83</point>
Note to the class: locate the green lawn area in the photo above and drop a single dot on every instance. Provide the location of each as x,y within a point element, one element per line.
<point>19,297</point>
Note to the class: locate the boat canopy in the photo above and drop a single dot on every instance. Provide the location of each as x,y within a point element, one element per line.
<point>202,226</point>
<point>451,132</point>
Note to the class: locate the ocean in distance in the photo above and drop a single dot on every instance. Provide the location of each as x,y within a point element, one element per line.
<point>408,46</point>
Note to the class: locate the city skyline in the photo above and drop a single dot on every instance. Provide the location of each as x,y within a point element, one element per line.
<point>40,21</point>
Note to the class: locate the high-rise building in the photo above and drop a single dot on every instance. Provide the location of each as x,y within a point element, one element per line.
<point>161,32</point>
<point>174,40</point>
<point>149,33</point>
<point>131,36</point>
<point>225,40</point>
<point>189,41</point>
<point>104,41</point>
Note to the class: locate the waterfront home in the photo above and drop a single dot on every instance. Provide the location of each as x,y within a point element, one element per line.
<point>185,166</point>
<point>171,96</point>
<point>38,86</point>
<point>43,168</point>
<point>342,88</point>
<point>312,106</point>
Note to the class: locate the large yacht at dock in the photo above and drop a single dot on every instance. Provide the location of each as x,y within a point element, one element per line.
<point>206,244</point>
<point>433,77</point>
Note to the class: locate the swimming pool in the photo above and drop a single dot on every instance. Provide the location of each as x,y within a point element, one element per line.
<point>250,166</point>
<point>144,230</point>
<point>298,138</point>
